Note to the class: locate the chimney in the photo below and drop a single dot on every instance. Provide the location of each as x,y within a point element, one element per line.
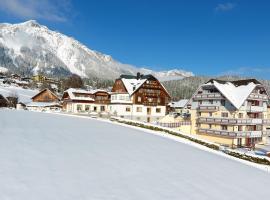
<point>138,75</point>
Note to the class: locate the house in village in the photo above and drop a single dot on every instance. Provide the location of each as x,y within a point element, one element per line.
<point>231,113</point>
<point>84,101</point>
<point>45,100</point>
<point>3,101</point>
<point>141,98</point>
<point>180,106</point>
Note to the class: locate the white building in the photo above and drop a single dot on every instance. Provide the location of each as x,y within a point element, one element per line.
<point>140,97</point>
<point>84,101</point>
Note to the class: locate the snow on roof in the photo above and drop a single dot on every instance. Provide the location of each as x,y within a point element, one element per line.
<point>42,104</point>
<point>71,92</point>
<point>179,104</point>
<point>72,96</point>
<point>24,95</point>
<point>235,94</point>
<point>133,84</point>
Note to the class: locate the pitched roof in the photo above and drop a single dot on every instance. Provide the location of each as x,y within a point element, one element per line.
<point>133,83</point>
<point>179,104</point>
<point>46,89</point>
<point>235,91</point>
<point>72,91</point>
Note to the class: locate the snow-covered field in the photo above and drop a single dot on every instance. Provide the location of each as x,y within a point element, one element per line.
<point>24,95</point>
<point>55,157</point>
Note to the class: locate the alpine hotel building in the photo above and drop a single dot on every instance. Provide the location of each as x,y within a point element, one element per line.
<point>231,113</point>
<point>141,98</point>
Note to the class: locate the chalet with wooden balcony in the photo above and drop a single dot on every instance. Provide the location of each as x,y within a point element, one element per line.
<point>84,101</point>
<point>232,113</point>
<point>45,100</point>
<point>140,97</point>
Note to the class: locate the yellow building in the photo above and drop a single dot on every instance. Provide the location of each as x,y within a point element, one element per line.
<point>231,113</point>
<point>176,122</point>
<point>38,78</point>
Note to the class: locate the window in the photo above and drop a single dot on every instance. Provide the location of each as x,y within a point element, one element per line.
<point>139,99</point>
<point>139,109</point>
<point>224,127</point>
<point>87,107</point>
<point>79,107</point>
<point>158,100</point>
<point>210,114</point>
<point>239,142</point>
<point>240,115</point>
<point>102,108</point>
<point>222,102</point>
<point>240,128</point>
<point>210,101</point>
<point>200,102</point>
<point>224,114</point>
<point>95,108</point>
<point>199,114</point>
<point>158,110</point>
<point>210,126</point>
<point>127,109</point>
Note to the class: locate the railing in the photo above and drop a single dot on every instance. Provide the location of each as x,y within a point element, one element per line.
<point>232,134</point>
<point>258,96</point>
<point>208,96</point>
<point>212,120</point>
<point>208,108</point>
<point>255,109</point>
<point>266,133</point>
<point>266,121</point>
<point>174,124</point>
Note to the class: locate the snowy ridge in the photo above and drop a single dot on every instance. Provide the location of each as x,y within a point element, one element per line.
<point>33,48</point>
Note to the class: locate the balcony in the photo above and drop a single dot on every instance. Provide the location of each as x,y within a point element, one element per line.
<point>208,108</point>
<point>121,98</point>
<point>255,109</point>
<point>258,96</point>
<point>266,133</point>
<point>208,96</point>
<point>232,121</point>
<point>231,134</point>
<point>266,121</point>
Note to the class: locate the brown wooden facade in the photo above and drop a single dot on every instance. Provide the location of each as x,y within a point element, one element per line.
<point>45,96</point>
<point>150,93</point>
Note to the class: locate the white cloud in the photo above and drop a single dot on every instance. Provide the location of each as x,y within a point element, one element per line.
<point>37,9</point>
<point>223,7</point>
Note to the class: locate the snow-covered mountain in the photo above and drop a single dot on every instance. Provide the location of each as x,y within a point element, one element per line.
<point>31,48</point>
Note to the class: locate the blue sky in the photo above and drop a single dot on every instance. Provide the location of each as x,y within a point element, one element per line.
<point>207,37</point>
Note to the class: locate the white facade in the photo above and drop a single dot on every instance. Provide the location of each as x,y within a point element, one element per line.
<point>138,112</point>
<point>86,107</point>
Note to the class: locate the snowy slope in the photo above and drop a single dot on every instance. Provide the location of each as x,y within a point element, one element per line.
<point>32,48</point>
<point>53,157</point>
<point>24,95</point>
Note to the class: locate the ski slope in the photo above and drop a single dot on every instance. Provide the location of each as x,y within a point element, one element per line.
<point>54,157</point>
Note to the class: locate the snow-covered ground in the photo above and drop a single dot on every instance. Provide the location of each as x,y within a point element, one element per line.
<point>24,95</point>
<point>55,157</point>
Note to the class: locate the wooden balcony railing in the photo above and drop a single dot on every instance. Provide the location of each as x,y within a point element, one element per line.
<point>208,96</point>
<point>232,134</point>
<point>232,121</point>
<point>208,108</point>
<point>258,96</point>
